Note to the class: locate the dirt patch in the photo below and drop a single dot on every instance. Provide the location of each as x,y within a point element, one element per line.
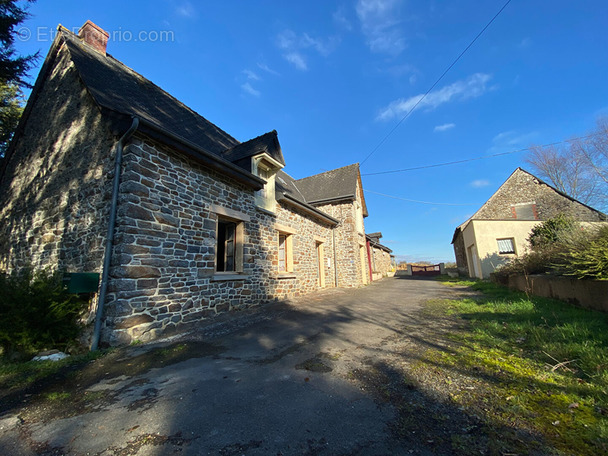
<point>420,392</point>
<point>173,442</point>
<point>314,365</point>
<point>66,394</point>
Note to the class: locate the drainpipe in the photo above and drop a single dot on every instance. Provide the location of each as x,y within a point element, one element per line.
<point>369,262</point>
<point>333,232</point>
<point>107,259</point>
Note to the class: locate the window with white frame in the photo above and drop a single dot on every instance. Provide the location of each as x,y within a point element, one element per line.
<point>506,246</point>
<point>266,168</point>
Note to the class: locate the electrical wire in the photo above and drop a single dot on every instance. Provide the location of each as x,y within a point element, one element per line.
<point>417,201</point>
<point>434,84</point>
<point>466,160</point>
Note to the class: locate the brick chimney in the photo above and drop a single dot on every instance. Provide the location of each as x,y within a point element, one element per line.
<point>95,36</point>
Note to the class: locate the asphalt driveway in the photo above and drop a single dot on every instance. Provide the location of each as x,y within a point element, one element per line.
<point>285,381</point>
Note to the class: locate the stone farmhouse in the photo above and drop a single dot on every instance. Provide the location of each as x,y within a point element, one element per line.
<point>499,230</point>
<point>107,173</point>
<point>381,262</point>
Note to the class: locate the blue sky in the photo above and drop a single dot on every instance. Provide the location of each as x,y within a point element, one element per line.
<point>333,78</point>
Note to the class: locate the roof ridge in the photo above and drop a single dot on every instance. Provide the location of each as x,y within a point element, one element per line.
<point>75,38</point>
<point>329,171</point>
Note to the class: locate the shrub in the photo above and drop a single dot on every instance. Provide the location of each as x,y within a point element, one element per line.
<point>589,260</point>
<point>552,233</point>
<point>37,312</point>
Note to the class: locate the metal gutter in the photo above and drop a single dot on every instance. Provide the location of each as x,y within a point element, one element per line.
<point>107,259</point>
<point>214,161</point>
<point>333,199</point>
<point>309,209</point>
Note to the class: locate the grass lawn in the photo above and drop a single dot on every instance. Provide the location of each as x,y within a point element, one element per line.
<point>542,366</point>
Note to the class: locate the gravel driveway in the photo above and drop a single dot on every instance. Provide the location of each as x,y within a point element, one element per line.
<point>305,378</point>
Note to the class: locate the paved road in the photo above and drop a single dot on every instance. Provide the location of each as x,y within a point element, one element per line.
<point>269,383</point>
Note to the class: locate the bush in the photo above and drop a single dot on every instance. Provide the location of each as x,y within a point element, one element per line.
<point>552,233</point>
<point>589,260</point>
<point>37,312</point>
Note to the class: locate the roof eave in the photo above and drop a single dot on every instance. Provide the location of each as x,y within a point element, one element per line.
<point>46,66</point>
<point>213,161</point>
<point>307,208</point>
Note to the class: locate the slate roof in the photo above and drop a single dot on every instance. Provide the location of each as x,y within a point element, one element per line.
<point>266,143</point>
<point>330,185</point>
<point>117,87</point>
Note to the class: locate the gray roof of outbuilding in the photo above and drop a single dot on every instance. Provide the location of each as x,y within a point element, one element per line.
<point>118,88</point>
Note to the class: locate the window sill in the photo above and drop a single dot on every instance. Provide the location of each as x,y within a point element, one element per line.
<point>225,276</point>
<point>266,211</point>
<point>286,275</point>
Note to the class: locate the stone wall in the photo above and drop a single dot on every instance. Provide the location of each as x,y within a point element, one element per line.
<point>460,254</point>
<point>521,188</point>
<point>381,261</point>
<point>348,244</point>
<point>163,274</point>
<point>309,233</point>
<point>55,191</point>
<point>589,294</point>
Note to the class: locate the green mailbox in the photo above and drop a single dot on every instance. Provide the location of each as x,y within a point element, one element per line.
<point>81,282</point>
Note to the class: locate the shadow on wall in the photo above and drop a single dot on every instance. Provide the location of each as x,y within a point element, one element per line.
<point>54,187</point>
<point>492,262</point>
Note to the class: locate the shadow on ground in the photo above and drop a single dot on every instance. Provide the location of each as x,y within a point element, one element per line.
<point>332,373</point>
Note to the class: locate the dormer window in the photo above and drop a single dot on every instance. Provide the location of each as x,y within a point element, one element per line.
<point>266,167</point>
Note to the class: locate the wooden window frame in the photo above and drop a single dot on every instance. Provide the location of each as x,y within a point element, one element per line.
<point>223,223</point>
<point>287,248</point>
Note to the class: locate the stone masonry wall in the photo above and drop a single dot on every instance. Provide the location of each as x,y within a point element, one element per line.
<point>381,261</point>
<point>309,232</point>
<point>55,191</point>
<point>522,187</point>
<point>348,244</point>
<point>163,273</point>
<point>461,255</point>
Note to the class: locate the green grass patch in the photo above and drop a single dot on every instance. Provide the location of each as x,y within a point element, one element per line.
<point>542,363</point>
<point>23,374</point>
<point>57,396</point>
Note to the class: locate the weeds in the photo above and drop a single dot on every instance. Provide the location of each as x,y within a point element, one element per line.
<point>544,364</point>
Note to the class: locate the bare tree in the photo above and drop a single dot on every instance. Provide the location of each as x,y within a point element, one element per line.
<point>578,168</point>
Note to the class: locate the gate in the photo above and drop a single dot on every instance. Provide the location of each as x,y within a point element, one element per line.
<point>433,270</point>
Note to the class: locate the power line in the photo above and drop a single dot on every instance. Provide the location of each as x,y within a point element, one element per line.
<point>416,201</point>
<point>435,83</point>
<point>466,160</point>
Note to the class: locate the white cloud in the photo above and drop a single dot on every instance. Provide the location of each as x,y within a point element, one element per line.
<point>340,18</point>
<point>250,90</point>
<point>295,45</point>
<point>472,87</point>
<point>251,75</point>
<point>286,39</point>
<point>526,42</point>
<point>480,183</point>
<point>267,69</point>
<point>297,60</point>
<point>380,23</point>
<point>511,139</point>
<point>185,10</point>
<point>444,127</point>
<point>413,79</point>
<point>323,47</point>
